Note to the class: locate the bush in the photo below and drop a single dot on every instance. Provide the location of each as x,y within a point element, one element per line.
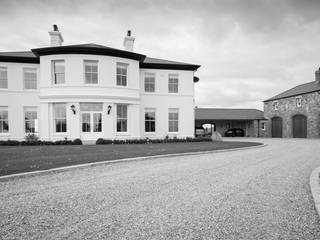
<point>31,137</point>
<point>77,141</point>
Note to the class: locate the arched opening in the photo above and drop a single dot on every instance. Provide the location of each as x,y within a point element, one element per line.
<point>276,127</point>
<point>299,126</point>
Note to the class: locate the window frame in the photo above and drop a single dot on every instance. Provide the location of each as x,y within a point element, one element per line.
<point>4,80</point>
<point>263,126</point>
<point>3,120</point>
<point>121,119</point>
<point>173,76</point>
<point>86,61</point>
<point>24,78</point>
<point>53,72</point>
<point>173,110</point>
<point>150,110</point>
<point>275,105</point>
<point>148,76</point>
<point>36,121</point>
<point>60,118</point>
<point>119,64</point>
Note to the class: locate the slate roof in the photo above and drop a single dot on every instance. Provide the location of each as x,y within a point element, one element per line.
<point>297,90</point>
<point>228,114</point>
<point>96,49</point>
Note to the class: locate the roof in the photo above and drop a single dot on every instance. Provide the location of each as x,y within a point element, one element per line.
<point>95,49</point>
<point>228,114</point>
<point>90,48</point>
<point>23,57</point>
<point>157,63</point>
<point>297,90</point>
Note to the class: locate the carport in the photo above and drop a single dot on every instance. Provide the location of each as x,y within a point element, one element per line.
<point>251,121</point>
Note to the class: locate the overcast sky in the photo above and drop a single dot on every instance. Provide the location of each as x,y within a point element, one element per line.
<point>249,50</point>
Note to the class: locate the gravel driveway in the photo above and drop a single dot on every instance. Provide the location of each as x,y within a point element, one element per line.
<point>259,193</point>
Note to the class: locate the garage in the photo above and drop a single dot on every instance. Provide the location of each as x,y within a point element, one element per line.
<point>276,127</point>
<point>299,126</point>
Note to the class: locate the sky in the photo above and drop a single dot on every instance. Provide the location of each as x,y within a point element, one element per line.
<point>249,50</point>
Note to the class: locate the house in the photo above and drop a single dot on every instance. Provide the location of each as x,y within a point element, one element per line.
<point>251,121</point>
<point>295,112</point>
<point>90,91</point>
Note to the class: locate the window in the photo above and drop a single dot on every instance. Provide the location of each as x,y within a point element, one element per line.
<point>263,126</point>
<point>4,121</point>
<point>122,118</point>
<point>3,77</point>
<point>276,105</point>
<point>60,118</point>
<point>30,78</point>
<point>150,120</point>
<point>173,83</point>
<point>298,101</point>
<point>58,71</point>
<point>173,120</point>
<point>97,122</point>
<point>91,114</point>
<point>30,120</point>
<point>86,122</point>
<point>122,73</point>
<point>149,82</point>
<point>91,72</point>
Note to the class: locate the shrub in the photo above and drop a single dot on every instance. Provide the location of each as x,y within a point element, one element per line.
<point>77,141</point>
<point>31,138</point>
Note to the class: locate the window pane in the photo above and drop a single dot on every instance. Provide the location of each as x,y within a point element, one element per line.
<point>86,122</point>
<point>97,122</point>
<point>3,77</point>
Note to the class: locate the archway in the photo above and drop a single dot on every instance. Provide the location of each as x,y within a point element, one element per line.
<point>276,127</point>
<point>299,126</point>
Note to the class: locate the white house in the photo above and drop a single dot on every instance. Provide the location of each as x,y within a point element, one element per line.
<point>90,91</point>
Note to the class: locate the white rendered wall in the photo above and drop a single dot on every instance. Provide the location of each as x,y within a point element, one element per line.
<point>161,100</point>
<point>16,99</point>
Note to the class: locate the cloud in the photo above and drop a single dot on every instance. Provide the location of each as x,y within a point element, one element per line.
<point>249,50</point>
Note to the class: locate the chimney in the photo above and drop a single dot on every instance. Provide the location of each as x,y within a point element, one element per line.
<point>128,42</point>
<point>318,76</point>
<point>56,38</point>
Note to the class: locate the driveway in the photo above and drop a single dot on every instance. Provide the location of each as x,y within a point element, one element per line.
<point>260,193</point>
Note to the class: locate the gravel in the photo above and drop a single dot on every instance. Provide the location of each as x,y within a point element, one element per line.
<point>259,193</point>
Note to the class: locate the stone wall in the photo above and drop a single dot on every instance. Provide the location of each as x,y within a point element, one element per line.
<point>287,108</point>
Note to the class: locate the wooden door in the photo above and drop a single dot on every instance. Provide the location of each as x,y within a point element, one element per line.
<point>299,126</point>
<point>276,127</point>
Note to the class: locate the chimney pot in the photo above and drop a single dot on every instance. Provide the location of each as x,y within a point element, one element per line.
<point>318,76</point>
<point>129,33</point>
<point>55,28</point>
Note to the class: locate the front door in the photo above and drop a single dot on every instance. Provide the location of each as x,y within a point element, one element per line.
<point>276,127</point>
<point>299,126</point>
<point>91,125</point>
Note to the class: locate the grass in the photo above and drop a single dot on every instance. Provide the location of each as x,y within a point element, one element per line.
<point>18,159</point>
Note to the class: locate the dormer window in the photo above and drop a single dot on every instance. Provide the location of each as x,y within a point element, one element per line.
<point>276,105</point>
<point>298,101</point>
<point>58,71</point>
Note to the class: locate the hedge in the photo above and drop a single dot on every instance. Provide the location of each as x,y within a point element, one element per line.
<point>101,141</point>
<point>38,142</point>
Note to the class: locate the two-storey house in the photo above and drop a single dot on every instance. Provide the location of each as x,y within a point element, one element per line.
<point>90,91</point>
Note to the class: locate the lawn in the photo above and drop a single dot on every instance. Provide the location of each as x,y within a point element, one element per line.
<point>18,159</point>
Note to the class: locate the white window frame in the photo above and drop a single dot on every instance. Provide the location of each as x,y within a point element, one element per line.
<point>55,118</point>
<point>153,111</point>
<point>149,82</point>
<point>175,121</point>
<point>3,80</point>
<point>90,63</point>
<point>173,83</point>
<point>54,72</point>
<point>33,81</point>
<point>121,75</point>
<point>275,105</point>
<point>2,120</point>
<point>36,127</point>
<point>122,117</point>
<point>299,101</point>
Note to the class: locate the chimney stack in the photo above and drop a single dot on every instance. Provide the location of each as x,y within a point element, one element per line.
<point>56,38</point>
<point>128,42</point>
<point>318,76</point>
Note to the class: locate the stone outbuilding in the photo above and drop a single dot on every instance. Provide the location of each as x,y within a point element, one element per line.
<point>251,121</point>
<point>295,112</point>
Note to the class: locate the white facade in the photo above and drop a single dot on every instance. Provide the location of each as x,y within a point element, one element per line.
<point>73,108</point>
